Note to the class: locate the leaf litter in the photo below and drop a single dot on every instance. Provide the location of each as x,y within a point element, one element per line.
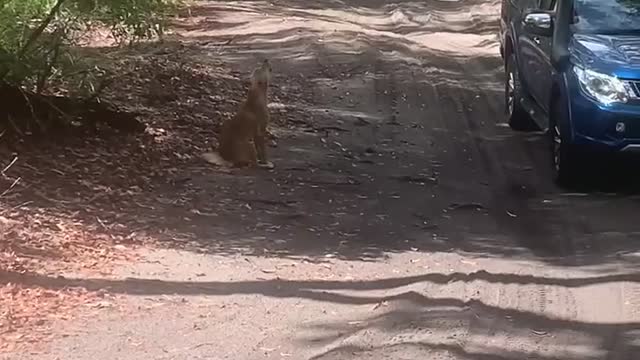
<point>81,204</point>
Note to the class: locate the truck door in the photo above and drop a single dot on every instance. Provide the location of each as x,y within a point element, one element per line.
<point>536,51</point>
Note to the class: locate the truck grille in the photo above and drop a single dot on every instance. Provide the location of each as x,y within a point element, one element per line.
<point>633,129</point>
<point>633,89</point>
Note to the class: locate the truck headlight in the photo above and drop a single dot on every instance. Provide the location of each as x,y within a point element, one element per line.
<point>604,88</point>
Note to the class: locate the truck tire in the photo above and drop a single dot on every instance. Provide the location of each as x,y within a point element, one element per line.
<point>517,116</point>
<point>566,161</point>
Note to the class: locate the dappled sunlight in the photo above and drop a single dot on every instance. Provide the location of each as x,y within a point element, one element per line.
<point>418,24</point>
<point>453,348</point>
<point>429,343</point>
<point>401,219</point>
<point>489,314</point>
<point>490,323</point>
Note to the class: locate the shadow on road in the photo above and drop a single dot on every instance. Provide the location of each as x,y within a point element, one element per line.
<point>391,139</point>
<point>410,312</point>
<point>292,288</point>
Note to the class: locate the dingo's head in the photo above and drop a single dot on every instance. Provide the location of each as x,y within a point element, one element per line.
<point>261,76</point>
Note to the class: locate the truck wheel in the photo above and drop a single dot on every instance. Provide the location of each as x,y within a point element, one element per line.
<point>565,158</point>
<point>518,118</point>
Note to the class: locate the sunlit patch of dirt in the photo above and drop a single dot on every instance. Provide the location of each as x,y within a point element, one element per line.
<point>28,313</point>
<point>423,26</point>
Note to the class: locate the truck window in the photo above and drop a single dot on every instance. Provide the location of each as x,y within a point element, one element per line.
<point>547,5</point>
<point>611,17</point>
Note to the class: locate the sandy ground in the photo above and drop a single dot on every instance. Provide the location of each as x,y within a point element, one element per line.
<point>403,219</point>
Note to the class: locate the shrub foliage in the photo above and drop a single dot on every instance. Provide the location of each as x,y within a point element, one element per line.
<point>37,36</point>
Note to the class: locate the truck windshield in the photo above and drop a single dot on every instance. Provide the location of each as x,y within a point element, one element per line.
<point>612,17</point>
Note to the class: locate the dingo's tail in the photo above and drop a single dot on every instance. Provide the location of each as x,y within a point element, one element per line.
<point>215,159</point>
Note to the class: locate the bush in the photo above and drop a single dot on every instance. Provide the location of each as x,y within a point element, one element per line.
<point>37,36</point>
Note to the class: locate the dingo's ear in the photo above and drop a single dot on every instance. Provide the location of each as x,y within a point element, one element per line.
<point>266,64</point>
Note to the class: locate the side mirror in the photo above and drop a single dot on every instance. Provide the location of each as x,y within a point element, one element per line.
<point>539,23</point>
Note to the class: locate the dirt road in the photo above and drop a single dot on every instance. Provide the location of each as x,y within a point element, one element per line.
<point>403,220</point>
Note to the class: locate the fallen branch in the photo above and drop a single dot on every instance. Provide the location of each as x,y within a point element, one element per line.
<point>287,203</point>
<point>15,182</point>
<point>415,179</point>
<point>3,172</point>
<point>350,182</point>
<point>4,175</point>
<point>60,111</point>
<point>334,128</point>
<point>466,206</point>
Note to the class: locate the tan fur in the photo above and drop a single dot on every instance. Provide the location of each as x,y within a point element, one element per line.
<point>243,137</point>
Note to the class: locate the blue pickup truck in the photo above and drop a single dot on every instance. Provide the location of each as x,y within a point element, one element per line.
<point>573,70</point>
